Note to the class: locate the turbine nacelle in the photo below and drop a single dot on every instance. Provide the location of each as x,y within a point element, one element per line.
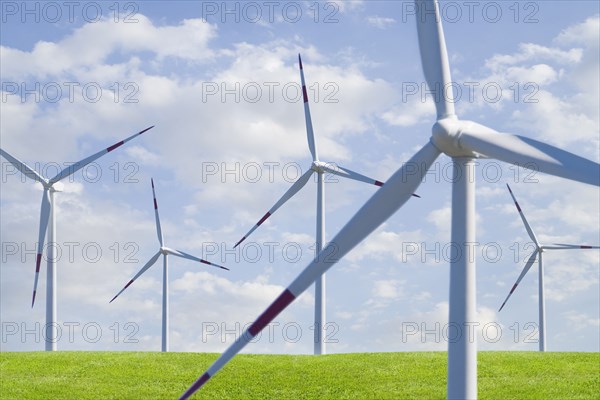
<point>165,251</point>
<point>320,167</point>
<point>446,136</point>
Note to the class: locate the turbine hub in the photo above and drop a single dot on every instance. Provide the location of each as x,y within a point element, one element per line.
<point>446,137</point>
<point>317,166</point>
<point>164,251</point>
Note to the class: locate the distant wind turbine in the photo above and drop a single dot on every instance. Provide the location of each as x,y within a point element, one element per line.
<point>48,224</point>
<point>463,141</point>
<point>320,168</point>
<point>539,249</point>
<point>165,251</point>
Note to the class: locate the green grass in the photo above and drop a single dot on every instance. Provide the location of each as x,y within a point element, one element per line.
<point>129,375</point>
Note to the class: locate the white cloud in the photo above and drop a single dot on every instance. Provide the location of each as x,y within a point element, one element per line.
<point>388,289</point>
<point>93,43</point>
<point>380,22</point>
<point>411,113</point>
<point>534,52</point>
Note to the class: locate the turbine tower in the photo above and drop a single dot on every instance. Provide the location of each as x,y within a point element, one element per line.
<point>165,251</point>
<point>539,249</point>
<point>48,224</point>
<point>320,168</point>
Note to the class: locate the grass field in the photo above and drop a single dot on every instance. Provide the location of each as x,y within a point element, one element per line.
<point>129,375</point>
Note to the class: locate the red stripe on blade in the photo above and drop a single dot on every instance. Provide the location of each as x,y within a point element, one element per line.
<point>114,146</point>
<point>378,183</point>
<point>513,288</point>
<point>196,385</point>
<point>300,60</point>
<point>240,241</point>
<point>305,94</point>
<point>518,208</point>
<point>585,247</point>
<point>264,218</point>
<point>129,283</point>
<point>38,261</point>
<point>155,205</point>
<point>274,309</point>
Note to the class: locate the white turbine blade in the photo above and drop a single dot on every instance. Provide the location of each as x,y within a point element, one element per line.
<point>24,168</point>
<point>158,230</point>
<point>71,169</point>
<point>299,184</point>
<point>562,246</point>
<point>312,145</point>
<point>527,226</point>
<point>44,218</point>
<point>185,255</point>
<point>434,56</point>
<point>525,270</point>
<point>529,153</point>
<point>385,202</point>
<point>349,174</point>
<point>144,269</point>
<point>346,173</point>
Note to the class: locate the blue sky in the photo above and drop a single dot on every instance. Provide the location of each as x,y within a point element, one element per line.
<point>221,160</point>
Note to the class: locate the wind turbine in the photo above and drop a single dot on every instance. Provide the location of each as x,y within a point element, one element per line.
<point>48,224</point>
<point>464,141</point>
<point>165,251</point>
<point>539,249</point>
<point>320,168</point>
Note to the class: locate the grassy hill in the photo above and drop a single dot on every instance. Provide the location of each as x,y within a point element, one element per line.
<point>130,375</point>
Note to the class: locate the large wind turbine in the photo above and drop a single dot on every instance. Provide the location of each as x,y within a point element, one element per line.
<point>464,141</point>
<point>320,168</point>
<point>165,251</point>
<point>48,223</point>
<point>539,249</point>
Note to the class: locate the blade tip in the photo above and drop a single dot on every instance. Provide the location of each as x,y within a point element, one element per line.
<point>239,242</point>
<point>195,386</point>
<point>146,130</point>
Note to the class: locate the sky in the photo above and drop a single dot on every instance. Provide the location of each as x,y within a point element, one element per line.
<point>220,83</point>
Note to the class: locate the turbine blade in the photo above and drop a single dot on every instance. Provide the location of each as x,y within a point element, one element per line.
<point>71,169</point>
<point>529,153</point>
<point>525,270</point>
<point>158,230</point>
<point>385,202</point>
<point>141,271</point>
<point>24,168</point>
<point>346,173</point>
<point>561,246</point>
<point>299,184</point>
<point>312,145</point>
<point>185,255</point>
<point>44,218</point>
<point>434,56</point>
<point>527,226</point>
